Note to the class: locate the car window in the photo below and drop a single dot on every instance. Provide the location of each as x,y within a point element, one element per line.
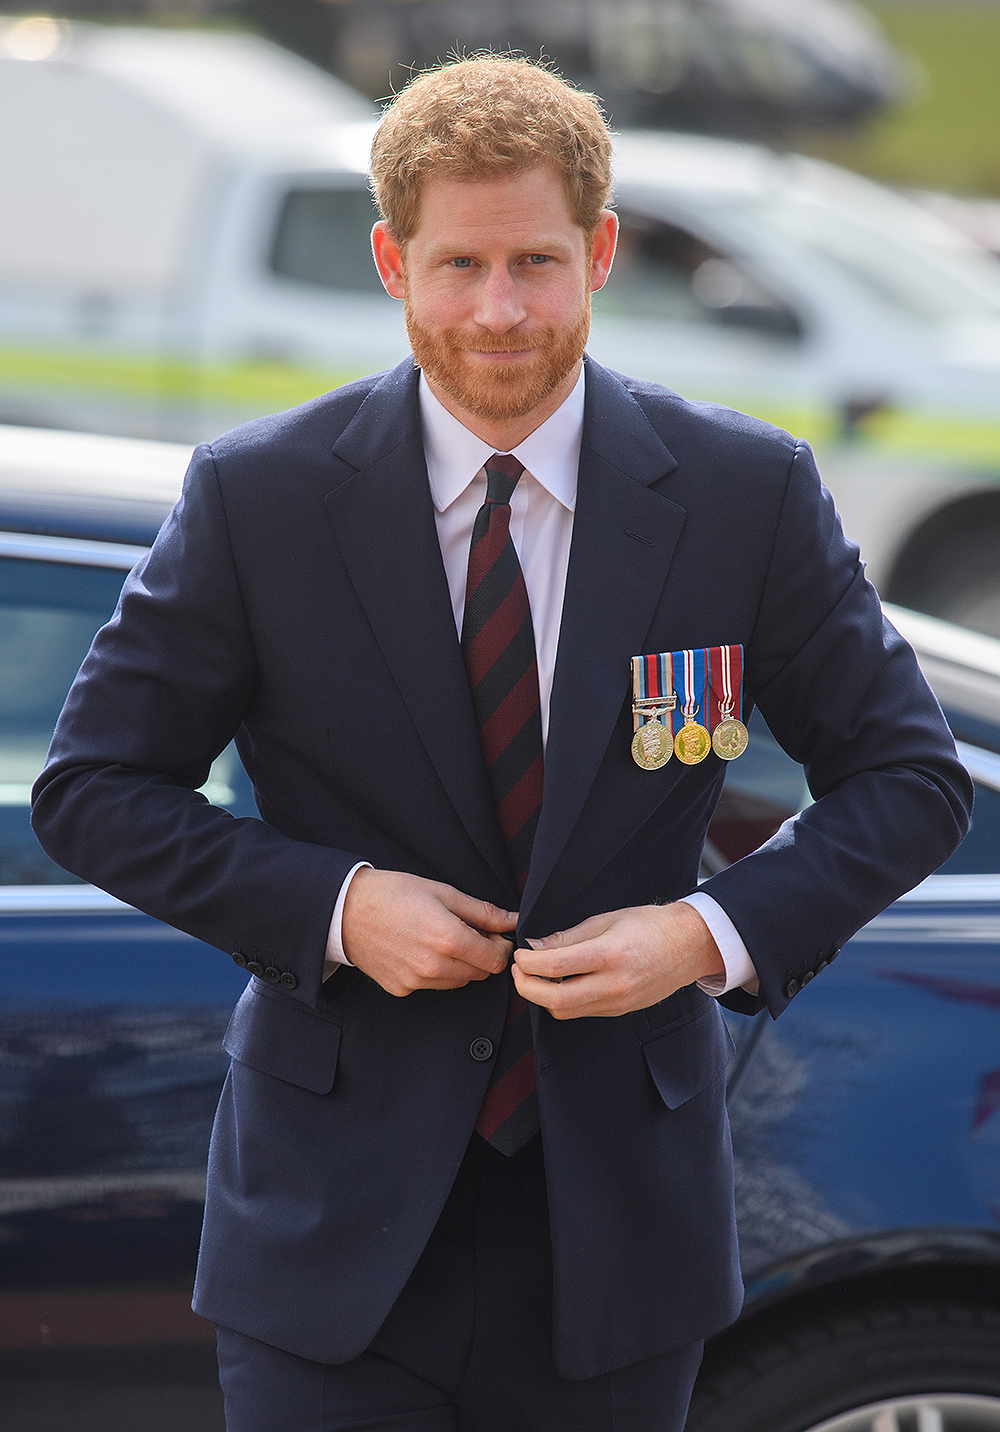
<point>49,613</point>
<point>324,238</point>
<point>887,256</point>
<point>662,271</point>
<point>765,786</point>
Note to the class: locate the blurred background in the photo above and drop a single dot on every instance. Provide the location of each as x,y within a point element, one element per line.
<point>810,203</point>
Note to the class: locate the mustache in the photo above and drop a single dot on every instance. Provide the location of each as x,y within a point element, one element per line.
<point>486,342</point>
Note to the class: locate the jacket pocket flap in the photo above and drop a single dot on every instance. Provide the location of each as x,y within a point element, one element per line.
<point>685,1058</point>
<point>284,1039</point>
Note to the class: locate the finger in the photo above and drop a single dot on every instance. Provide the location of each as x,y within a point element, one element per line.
<point>577,935</point>
<point>570,999</point>
<point>503,944</point>
<point>479,914</point>
<point>560,963</point>
<point>436,971</point>
<point>487,954</point>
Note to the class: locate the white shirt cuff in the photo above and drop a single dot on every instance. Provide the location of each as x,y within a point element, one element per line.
<point>335,940</point>
<point>739,966</point>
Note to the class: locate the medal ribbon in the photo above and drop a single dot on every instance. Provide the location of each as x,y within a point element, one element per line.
<point>652,690</point>
<point>690,670</point>
<point>726,682</point>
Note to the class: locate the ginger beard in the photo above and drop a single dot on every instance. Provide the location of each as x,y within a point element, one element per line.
<point>448,358</point>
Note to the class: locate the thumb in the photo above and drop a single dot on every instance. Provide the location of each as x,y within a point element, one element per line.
<point>481,915</point>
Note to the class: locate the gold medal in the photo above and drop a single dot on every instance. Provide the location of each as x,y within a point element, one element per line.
<point>692,743</point>
<point>652,746</point>
<point>729,739</point>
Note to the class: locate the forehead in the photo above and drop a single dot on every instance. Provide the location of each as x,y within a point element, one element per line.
<point>495,208</point>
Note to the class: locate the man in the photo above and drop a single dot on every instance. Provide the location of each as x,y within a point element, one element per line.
<point>449,1190</point>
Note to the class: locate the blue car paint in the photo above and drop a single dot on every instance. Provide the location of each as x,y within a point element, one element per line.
<point>870,1110</point>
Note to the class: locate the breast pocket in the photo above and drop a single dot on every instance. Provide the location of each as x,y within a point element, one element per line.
<point>285,1039</point>
<point>688,1055</point>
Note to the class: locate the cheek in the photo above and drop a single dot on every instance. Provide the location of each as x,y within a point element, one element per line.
<point>439,304</point>
<point>560,303</point>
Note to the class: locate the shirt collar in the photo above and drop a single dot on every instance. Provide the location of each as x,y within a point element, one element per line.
<point>454,454</point>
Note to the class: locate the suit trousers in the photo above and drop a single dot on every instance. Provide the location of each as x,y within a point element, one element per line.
<point>467,1347</point>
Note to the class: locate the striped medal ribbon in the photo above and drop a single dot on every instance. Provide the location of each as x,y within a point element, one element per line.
<point>652,699</point>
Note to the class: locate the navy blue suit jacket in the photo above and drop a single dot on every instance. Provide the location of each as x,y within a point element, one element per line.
<point>296,600</point>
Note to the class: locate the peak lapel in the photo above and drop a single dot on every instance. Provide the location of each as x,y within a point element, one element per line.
<point>624,536</point>
<point>383,519</point>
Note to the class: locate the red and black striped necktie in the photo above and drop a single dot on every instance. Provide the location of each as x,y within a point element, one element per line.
<point>498,644</point>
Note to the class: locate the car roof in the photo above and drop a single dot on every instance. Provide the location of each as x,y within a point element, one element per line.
<point>87,485</point>
<point>962,668</point>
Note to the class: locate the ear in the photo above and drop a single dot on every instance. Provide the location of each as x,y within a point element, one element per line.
<point>605,241</point>
<point>388,260</point>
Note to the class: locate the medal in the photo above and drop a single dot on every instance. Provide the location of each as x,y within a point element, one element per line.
<point>652,699</point>
<point>652,746</point>
<point>692,742</point>
<point>730,737</point>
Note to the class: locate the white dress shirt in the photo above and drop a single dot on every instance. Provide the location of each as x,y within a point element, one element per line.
<point>541,528</point>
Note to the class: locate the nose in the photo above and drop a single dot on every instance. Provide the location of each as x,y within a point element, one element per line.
<point>499,305</point>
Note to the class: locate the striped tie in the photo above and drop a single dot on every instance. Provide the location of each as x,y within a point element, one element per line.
<point>499,649</point>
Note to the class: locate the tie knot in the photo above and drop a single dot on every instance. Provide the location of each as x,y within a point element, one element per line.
<point>502,473</point>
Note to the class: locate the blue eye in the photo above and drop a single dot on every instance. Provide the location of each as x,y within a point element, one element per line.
<point>462,263</point>
<point>538,258</point>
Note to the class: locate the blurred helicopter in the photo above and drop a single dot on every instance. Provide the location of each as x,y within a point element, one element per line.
<point>743,68</point>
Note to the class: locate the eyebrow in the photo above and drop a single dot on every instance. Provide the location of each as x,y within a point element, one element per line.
<point>542,244</point>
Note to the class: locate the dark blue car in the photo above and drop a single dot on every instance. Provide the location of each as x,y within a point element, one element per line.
<point>866,1121</point>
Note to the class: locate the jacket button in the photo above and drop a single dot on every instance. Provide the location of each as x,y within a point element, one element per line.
<point>792,988</point>
<point>272,975</point>
<point>833,954</point>
<point>289,980</point>
<point>239,959</point>
<point>809,975</point>
<point>481,1049</point>
<point>255,967</point>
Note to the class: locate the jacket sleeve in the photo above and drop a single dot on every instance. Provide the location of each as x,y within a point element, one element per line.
<point>842,693</point>
<point>163,690</point>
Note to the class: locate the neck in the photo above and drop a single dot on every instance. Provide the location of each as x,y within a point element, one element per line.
<point>504,434</point>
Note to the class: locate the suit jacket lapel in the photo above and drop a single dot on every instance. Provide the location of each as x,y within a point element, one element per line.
<point>383,519</point>
<point>624,536</point>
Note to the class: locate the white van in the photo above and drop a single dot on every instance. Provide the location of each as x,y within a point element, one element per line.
<point>184,213</point>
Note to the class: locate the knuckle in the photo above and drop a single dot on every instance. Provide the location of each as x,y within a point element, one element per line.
<point>450,945</point>
<point>426,967</point>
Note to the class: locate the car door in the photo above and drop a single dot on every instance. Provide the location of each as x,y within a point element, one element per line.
<point>110,1066</point>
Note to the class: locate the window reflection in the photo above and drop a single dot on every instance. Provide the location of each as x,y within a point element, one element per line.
<point>324,238</point>
<point>663,272</point>
<point>49,615</point>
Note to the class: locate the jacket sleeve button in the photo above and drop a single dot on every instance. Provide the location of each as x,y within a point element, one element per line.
<point>792,988</point>
<point>239,959</point>
<point>481,1049</point>
<point>255,967</point>
<point>289,980</point>
<point>272,975</point>
<point>809,975</point>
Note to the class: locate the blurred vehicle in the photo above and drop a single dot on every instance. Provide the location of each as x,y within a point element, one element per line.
<point>741,67</point>
<point>192,250</point>
<point>866,1122</point>
<point>170,189</point>
<point>976,215</point>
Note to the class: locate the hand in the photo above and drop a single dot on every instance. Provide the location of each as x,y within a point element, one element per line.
<point>407,933</point>
<point>612,964</point>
